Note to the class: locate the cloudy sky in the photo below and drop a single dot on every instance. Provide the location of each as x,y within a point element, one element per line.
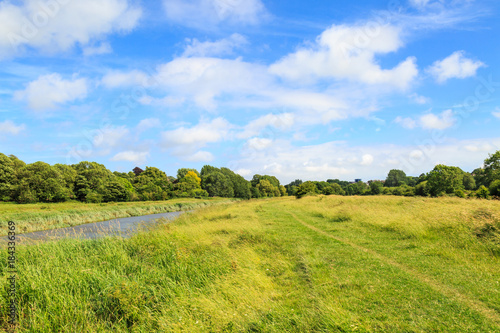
<point>296,89</point>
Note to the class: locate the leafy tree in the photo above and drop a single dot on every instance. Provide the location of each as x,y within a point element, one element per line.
<point>7,177</point>
<point>395,178</point>
<point>69,175</point>
<point>41,182</point>
<point>241,187</point>
<point>181,173</point>
<point>283,191</point>
<point>480,177</point>
<point>137,171</point>
<point>266,188</point>
<point>91,176</point>
<point>422,189</point>
<point>376,187</point>
<point>495,188</point>
<point>152,184</point>
<point>445,179</point>
<point>114,190</point>
<point>492,168</point>
<point>469,182</point>
<point>207,169</point>
<point>217,185</point>
<point>306,188</point>
<point>483,192</point>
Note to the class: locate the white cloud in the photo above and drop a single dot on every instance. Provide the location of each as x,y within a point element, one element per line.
<point>496,113</point>
<point>439,122</point>
<point>147,124</point>
<point>110,137</point>
<point>218,48</point>
<point>419,3</point>
<point>259,143</point>
<point>49,91</point>
<point>8,127</point>
<point>419,99</point>
<point>367,160</point>
<point>281,121</point>
<point>348,52</point>
<point>131,156</point>
<point>121,79</point>
<point>407,123</point>
<point>205,14</point>
<point>103,48</point>
<point>186,143</point>
<point>54,26</point>
<point>454,66</point>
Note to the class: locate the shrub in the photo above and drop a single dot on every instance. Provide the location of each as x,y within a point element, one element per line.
<point>482,192</point>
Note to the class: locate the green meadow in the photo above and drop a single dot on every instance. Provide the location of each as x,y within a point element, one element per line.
<point>316,264</point>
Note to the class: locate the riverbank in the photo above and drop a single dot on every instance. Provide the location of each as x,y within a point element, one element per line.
<point>45,216</point>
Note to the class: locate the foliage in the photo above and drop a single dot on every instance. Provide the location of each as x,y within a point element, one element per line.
<point>376,187</point>
<point>483,192</point>
<point>306,188</point>
<point>495,188</point>
<point>469,182</point>
<point>445,179</point>
<point>395,178</point>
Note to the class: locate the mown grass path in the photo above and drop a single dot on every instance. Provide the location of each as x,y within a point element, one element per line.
<point>474,304</point>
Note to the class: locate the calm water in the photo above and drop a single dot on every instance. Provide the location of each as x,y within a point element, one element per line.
<point>124,227</point>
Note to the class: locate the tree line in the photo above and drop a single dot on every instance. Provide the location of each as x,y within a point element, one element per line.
<point>94,183</point>
<point>443,180</point>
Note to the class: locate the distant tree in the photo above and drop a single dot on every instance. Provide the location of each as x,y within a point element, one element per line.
<point>492,168</point>
<point>445,179</point>
<point>469,182</point>
<point>41,183</point>
<point>152,184</point>
<point>306,188</point>
<point>91,177</point>
<point>395,178</point>
<point>283,191</point>
<point>266,188</point>
<point>376,187</point>
<point>217,185</point>
<point>480,177</point>
<point>137,171</point>
<point>181,173</point>
<point>483,192</point>
<point>69,175</point>
<point>7,177</point>
<point>411,181</point>
<point>207,169</point>
<point>495,188</point>
<point>422,189</point>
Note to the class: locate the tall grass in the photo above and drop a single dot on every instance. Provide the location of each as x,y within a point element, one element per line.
<point>318,264</point>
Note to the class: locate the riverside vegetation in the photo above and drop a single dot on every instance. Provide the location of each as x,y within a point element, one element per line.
<point>316,264</point>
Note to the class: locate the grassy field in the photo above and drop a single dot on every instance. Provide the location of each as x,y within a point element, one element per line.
<point>44,216</point>
<point>318,264</point>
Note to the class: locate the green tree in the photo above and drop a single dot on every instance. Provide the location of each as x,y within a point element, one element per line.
<point>469,182</point>
<point>41,182</point>
<point>7,177</point>
<point>495,188</point>
<point>445,179</point>
<point>422,189</point>
<point>395,178</point>
<point>217,184</point>
<point>181,173</point>
<point>91,177</point>
<point>376,187</point>
<point>492,168</point>
<point>483,192</point>
<point>306,188</point>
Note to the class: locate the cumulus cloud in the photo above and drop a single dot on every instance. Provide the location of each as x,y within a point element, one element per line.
<point>348,52</point>
<point>147,124</point>
<point>220,47</point>
<point>439,122</point>
<point>9,127</point>
<point>102,48</point>
<point>206,14</point>
<point>186,143</point>
<point>53,26</point>
<point>49,91</point>
<point>281,121</point>
<point>454,66</point>
<point>367,159</point>
<point>117,79</point>
<point>131,156</point>
<point>407,123</point>
<point>110,137</point>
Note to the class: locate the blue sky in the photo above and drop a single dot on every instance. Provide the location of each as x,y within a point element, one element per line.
<point>310,90</point>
